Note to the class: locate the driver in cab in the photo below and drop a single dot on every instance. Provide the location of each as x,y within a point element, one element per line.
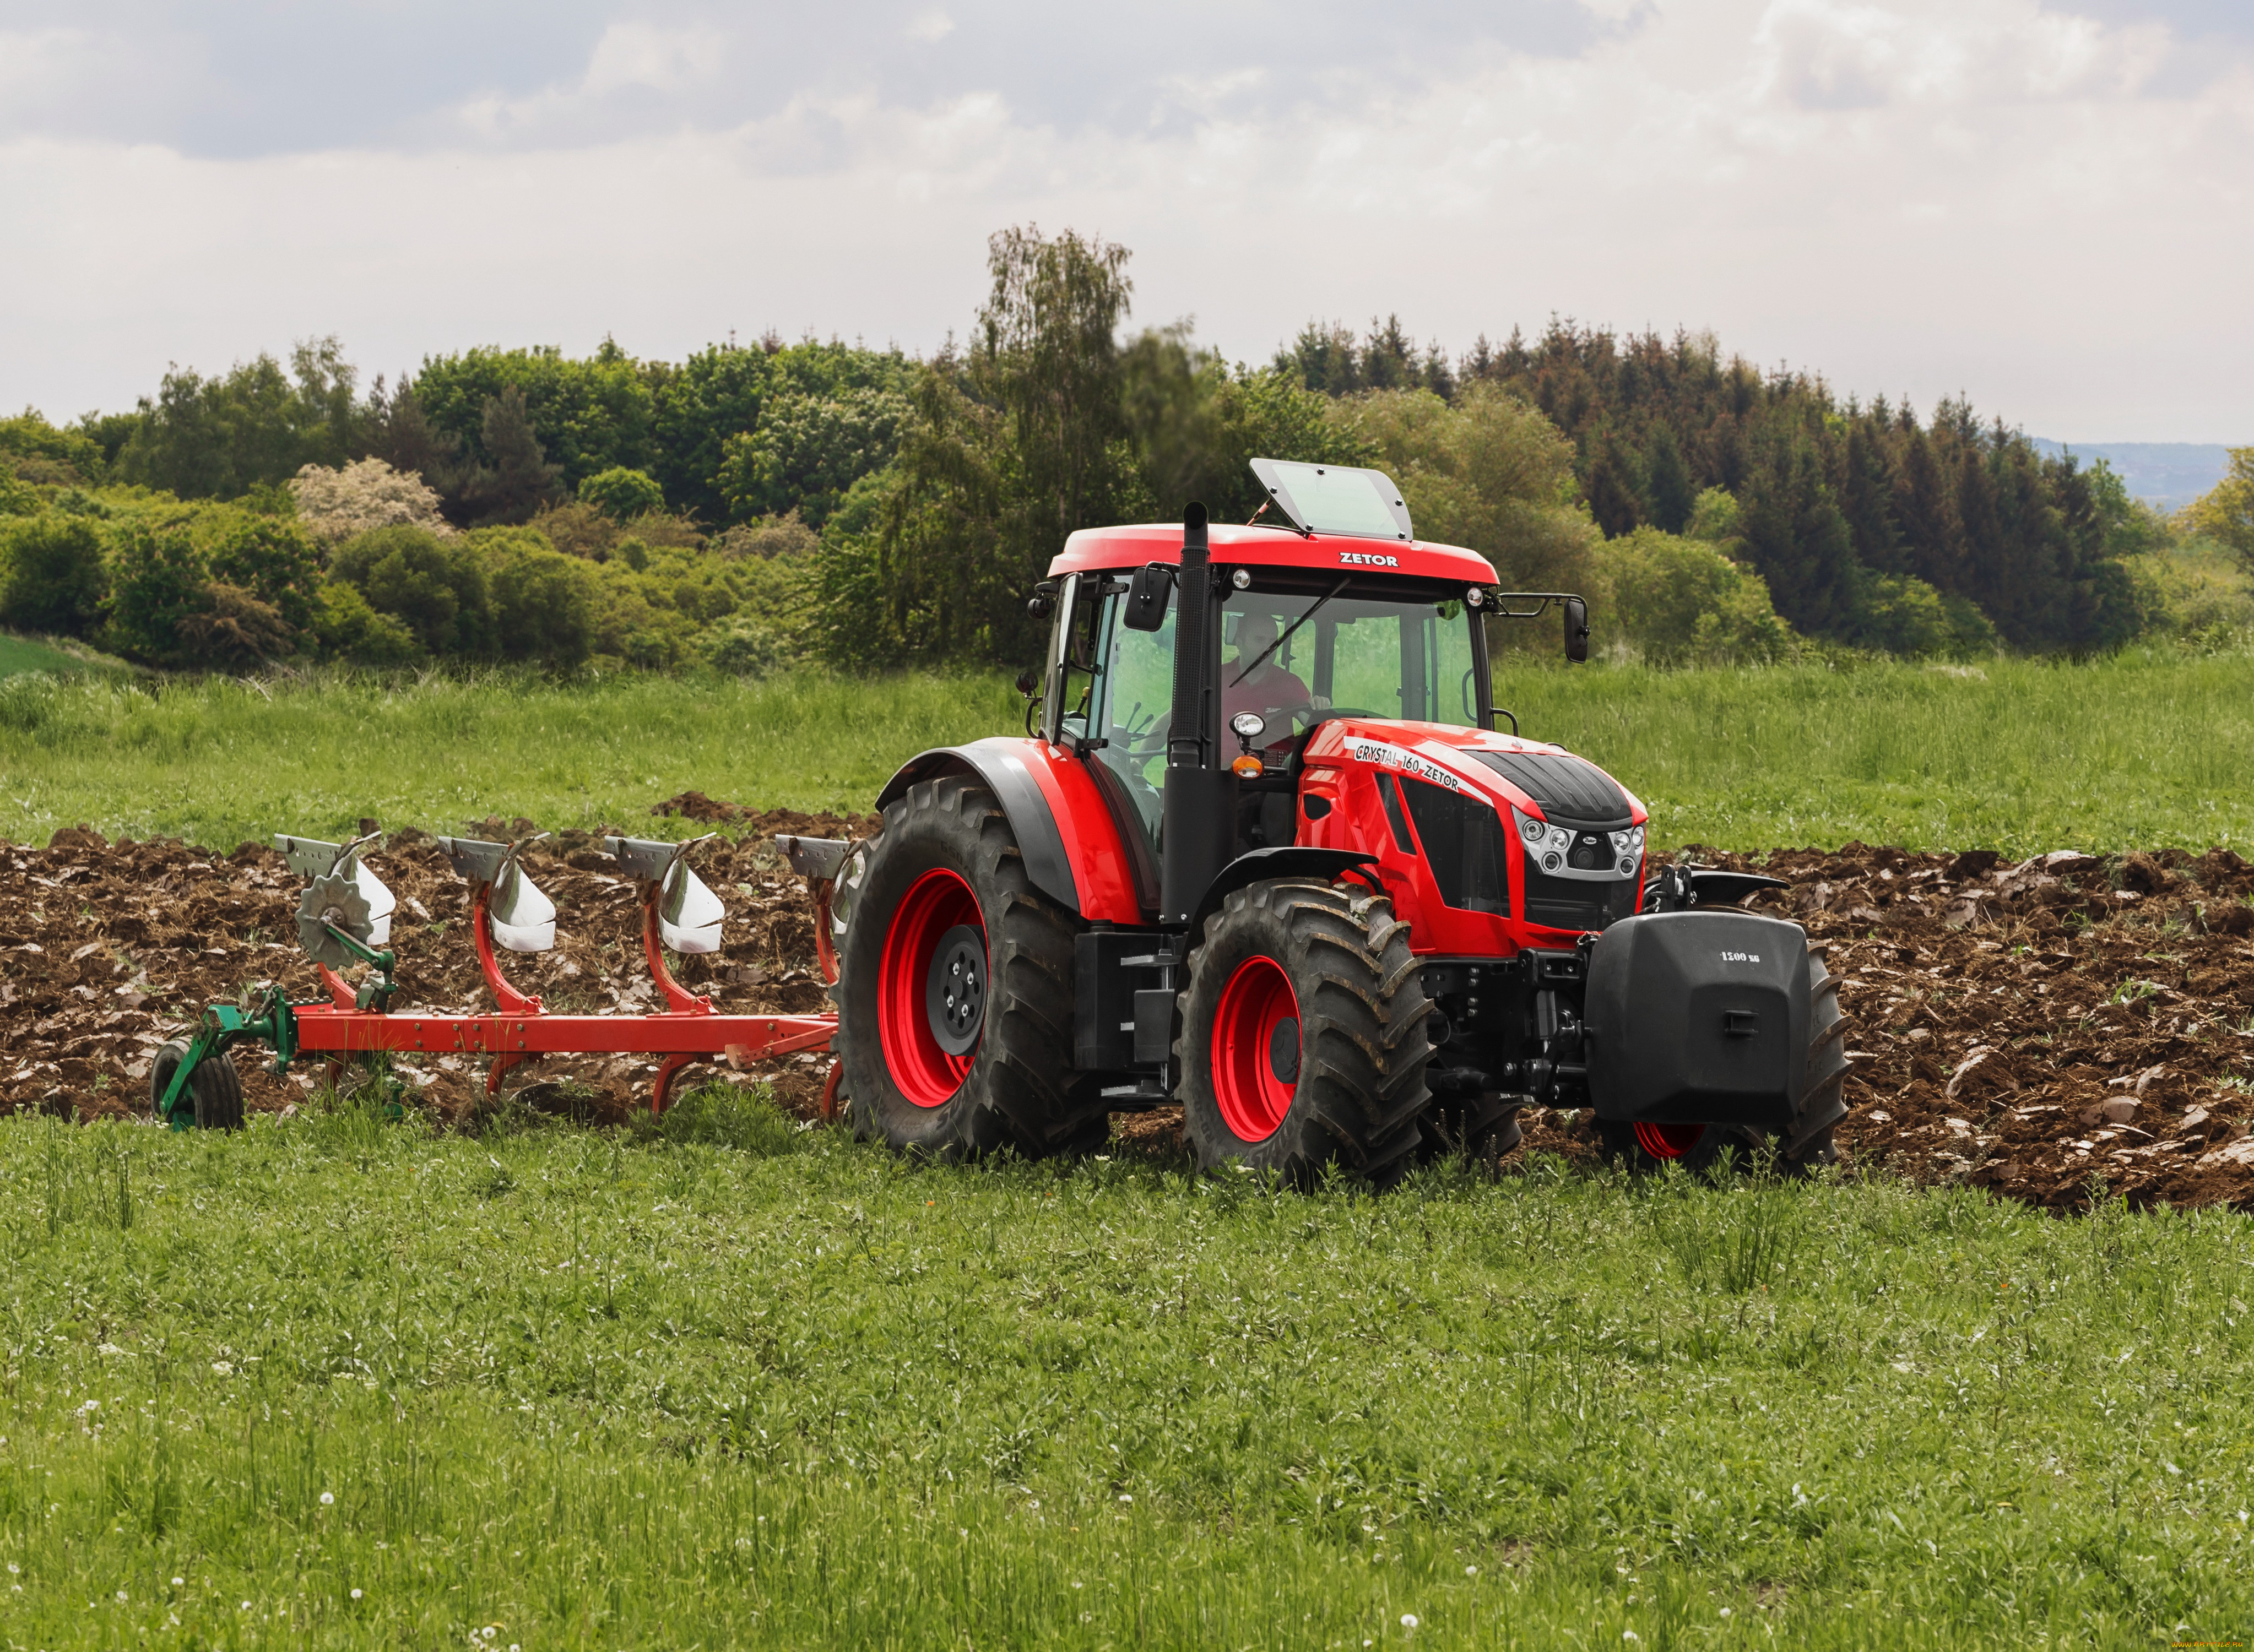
<point>1256,679</point>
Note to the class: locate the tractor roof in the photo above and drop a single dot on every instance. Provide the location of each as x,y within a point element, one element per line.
<point>1094,548</point>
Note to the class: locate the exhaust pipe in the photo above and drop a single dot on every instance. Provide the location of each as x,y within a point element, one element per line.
<point>1198,824</point>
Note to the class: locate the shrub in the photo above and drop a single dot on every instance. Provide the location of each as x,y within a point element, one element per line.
<point>348,629</point>
<point>232,628</point>
<point>52,577</point>
<point>770,536</point>
<point>1903,615</point>
<point>745,648</point>
<point>340,505</point>
<point>156,579</point>
<point>15,497</point>
<point>438,589</point>
<point>1681,601</point>
<point>40,452</point>
<point>621,493</point>
<point>810,449</point>
<point>543,605</point>
<point>273,559</point>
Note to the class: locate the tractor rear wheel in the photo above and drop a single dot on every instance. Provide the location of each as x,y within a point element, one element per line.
<point>954,990</point>
<point>1303,1038</point>
<point>1806,1144</point>
<point>214,1088</point>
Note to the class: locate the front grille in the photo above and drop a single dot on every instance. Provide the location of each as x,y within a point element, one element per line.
<point>1463,841</point>
<point>1575,903</point>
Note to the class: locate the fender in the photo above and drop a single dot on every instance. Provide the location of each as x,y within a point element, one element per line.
<point>1064,830</point>
<point>1287,860</point>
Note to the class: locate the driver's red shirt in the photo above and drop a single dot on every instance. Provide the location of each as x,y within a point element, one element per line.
<point>1268,690</point>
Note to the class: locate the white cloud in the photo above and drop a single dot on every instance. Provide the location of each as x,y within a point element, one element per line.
<point>1909,195</point>
<point>641,54</point>
<point>931,27</point>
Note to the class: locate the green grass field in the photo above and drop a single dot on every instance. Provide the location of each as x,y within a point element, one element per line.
<point>337,1383</point>
<point>2140,750</point>
<point>20,654</point>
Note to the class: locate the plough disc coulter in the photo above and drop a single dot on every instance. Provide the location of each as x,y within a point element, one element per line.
<point>344,918</point>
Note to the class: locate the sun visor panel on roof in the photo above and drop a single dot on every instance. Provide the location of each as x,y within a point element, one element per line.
<point>1337,498</point>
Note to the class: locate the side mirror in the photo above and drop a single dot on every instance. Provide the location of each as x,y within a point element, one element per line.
<point>1148,593</point>
<point>1577,630</point>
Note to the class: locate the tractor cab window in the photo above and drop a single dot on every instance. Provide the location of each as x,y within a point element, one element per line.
<point>1133,688</point>
<point>1295,657</point>
<point>1072,663</point>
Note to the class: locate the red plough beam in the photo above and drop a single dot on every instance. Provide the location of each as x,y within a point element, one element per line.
<point>677,911</point>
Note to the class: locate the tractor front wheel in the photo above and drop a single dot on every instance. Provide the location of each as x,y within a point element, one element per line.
<point>954,990</point>
<point>1302,1038</point>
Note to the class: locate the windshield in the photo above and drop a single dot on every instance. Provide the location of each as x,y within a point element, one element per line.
<point>1348,654</point>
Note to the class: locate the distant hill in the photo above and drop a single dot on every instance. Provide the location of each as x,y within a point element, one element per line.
<point>2166,475</point>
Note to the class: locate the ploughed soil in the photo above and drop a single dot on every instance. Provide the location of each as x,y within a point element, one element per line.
<point>109,949</point>
<point>2051,1028</point>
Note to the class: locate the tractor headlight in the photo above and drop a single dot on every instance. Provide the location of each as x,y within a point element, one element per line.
<point>1563,849</point>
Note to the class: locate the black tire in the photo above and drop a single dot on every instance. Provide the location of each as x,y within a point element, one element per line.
<point>1808,1144</point>
<point>215,1087</point>
<point>1798,1150</point>
<point>1355,1084</point>
<point>1017,1086</point>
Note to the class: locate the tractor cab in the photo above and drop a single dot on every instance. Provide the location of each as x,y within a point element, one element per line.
<point>1266,853</point>
<point>1343,686</point>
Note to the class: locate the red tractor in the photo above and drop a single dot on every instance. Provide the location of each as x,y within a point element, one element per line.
<point>1265,853</point>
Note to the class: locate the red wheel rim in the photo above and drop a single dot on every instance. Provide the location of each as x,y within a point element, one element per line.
<point>935,903</point>
<point>1256,1031</point>
<point>1667,1141</point>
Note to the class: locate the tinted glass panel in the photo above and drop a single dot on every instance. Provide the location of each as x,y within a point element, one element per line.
<point>1134,686</point>
<point>1355,653</point>
<point>1463,845</point>
<point>1334,498</point>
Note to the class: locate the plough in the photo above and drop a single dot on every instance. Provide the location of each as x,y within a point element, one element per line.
<point>344,918</point>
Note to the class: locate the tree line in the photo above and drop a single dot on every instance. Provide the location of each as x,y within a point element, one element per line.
<point>760,502</point>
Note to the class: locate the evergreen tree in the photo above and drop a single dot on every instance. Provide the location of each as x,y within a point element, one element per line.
<point>398,433</point>
<point>1388,357</point>
<point>520,479</point>
<point>1669,491</point>
<point>1797,539</point>
<point>1324,357</point>
<point>1614,496</point>
<point>1866,498</point>
<point>1921,506</point>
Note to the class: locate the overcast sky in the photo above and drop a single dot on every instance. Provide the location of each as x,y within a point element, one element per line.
<point>2044,203</point>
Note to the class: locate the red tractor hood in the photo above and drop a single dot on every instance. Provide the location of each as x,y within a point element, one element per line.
<point>1544,781</point>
